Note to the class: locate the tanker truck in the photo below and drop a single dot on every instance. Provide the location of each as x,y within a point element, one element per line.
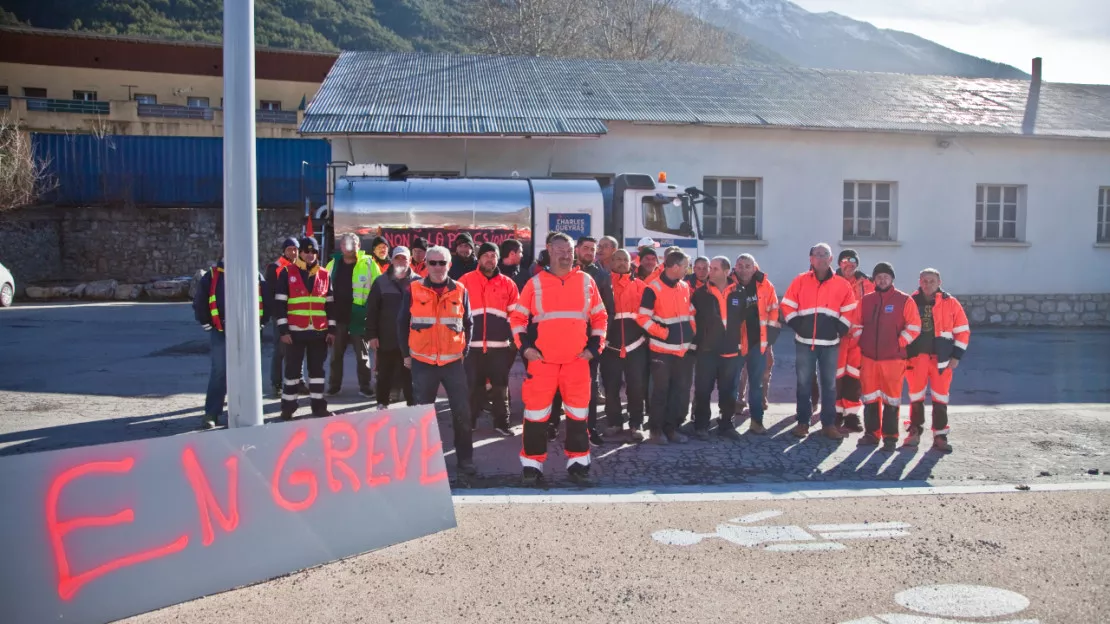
<point>380,200</point>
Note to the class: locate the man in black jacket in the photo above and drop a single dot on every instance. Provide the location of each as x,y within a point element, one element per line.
<point>718,314</point>
<point>209,309</point>
<point>288,256</point>
<point>585,252</point>
<point>383,311</point>
<point>512,255</point>
<point>463,259</point>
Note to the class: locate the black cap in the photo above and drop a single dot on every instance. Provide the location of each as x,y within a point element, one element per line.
<point>290,242</point>
<point>308,243</point>
<point>648,251</point>
<point>465,237</point>
<point>883,267</point>
<point>488,247</point>
<point>419,243</point>
<point>849,254</point>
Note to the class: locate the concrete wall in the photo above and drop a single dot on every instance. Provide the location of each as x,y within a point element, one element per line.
<point>802,175</point>
<point>133,245</point>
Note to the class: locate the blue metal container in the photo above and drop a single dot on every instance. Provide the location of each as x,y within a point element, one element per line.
<point>174,171</point>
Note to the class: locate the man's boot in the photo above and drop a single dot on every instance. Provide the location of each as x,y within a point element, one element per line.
<point>500,405</point>
<point>466,467</point>
<point>580,476</point>
<point>531,477</point>
<point>890,445</point>
<point>914,437</point>
<point>852,424</point>
<point>941,445</point>
<point>868,439</point>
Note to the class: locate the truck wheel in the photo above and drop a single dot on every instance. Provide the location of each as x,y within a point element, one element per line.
<point>7,294</point>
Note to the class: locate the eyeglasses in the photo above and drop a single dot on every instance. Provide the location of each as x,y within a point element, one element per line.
<point>437,262</point>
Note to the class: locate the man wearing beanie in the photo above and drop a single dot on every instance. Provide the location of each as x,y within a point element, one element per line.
<point>379,251</point>
<point>305,318</point>
<point>288,257</point>
<point>848,402</point>
<point>491,351</point>
<point>888,324</point>
<point>419,248</point>
<point>462,256</point>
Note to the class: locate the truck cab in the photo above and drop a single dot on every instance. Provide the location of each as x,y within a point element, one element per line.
<point>638,206</point>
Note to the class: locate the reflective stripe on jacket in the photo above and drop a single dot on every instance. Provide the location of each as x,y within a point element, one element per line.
<point>559,316</point>
<point>491,298</point>
<point>363,274</point>
<point>667,314</point>
<point>438,323</point>
<point>214,308</point>
<point>950,328</point>
<point>718,317</point>
<point>624,333</point>
<point>889,323</point>
<point>819,311</point>
<point>306,309</point>
<point>769,325</point>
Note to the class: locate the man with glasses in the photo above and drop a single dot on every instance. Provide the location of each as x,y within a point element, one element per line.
<point>305,319</point>
<point>821,308</point>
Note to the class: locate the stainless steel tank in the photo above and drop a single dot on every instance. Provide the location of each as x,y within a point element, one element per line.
<point>370,205</point>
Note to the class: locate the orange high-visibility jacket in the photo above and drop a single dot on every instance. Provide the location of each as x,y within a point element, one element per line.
<point>667,314</point>
<point>950,328</point>
<point>769,325</point>
<point>819,311</point>
<point>624,333</point>
<point>492,298</point>
<point>436,324</point>
<point>559,316</point>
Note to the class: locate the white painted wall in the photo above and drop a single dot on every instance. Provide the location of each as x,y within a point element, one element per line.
<point>802,176</point>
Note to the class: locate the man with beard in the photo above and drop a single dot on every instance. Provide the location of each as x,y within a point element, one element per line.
<point>462,256</point>
<point>383,313</point>
<point>419,248</point>
<point>585,252</point>
<point>491,355</point>
<point>512,254</point>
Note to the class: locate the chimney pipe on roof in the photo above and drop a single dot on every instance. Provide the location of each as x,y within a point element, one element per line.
<point>1029,124</point>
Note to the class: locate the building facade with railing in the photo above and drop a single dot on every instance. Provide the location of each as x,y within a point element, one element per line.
<point>62,81</point>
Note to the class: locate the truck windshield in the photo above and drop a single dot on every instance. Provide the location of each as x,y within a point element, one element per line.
<point>668,215</point>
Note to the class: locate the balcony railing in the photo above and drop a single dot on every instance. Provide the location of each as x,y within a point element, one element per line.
<point>5,102</point>
<point>278,117</point>
<point>51,105</point>
<point>175,111</point>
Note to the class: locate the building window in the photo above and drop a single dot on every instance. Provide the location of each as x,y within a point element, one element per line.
<point>3,90</point>
<point>1104,214</point>
<point>197,102</point>
<point>34,92</point>
<point>869,210</point>
<point>85,96</point>
<point>998,212</point>
<point>146,98</point>
<point>736,213</point>
<point>270,105</point>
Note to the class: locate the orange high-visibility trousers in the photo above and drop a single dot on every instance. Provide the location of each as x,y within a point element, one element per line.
<point>541,380</point>
<point>882,383</point>
<point>922,372</point>
<point>848,389</point>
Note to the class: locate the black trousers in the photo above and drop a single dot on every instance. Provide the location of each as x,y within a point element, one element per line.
<point>711,369</point>
<point>630,369</point>
<point>492,366</point>
<point>314,346</point>
<point>888,417</point>
<point>426,379</point>
<point>391,367</point>
<point>670,394</point>
<point>940,415</point>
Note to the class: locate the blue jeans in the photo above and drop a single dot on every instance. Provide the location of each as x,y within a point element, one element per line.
<point>808,360</point>
<point>217,376</point>
<point>756,362</point>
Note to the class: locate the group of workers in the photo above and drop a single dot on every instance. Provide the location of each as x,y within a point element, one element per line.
<point>587,321</point>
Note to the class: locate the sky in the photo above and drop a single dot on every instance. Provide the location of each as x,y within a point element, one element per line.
<point>1071,36</point>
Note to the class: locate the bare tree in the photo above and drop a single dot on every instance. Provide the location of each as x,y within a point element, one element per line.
<point>23,177</point>
<point>529,27</point>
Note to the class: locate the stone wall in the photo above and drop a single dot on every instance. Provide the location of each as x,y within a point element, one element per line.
<point>1038,310</point>
<point>54,245</point>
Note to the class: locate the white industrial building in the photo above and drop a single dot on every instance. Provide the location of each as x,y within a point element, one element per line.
<point>1003,185</point>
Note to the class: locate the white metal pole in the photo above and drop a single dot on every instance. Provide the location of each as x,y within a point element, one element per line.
<point>244,357</point>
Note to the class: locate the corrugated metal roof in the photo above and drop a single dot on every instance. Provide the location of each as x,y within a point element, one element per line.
<point>443,94</point>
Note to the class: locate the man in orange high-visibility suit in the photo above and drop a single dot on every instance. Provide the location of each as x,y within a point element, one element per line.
<point>888,323</point>
<point>848,402</point>
<point>933,356</point>
<point>558,325</point>
<point>667,315</point>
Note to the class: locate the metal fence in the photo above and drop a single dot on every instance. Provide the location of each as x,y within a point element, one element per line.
<point>51,105</point>
<point>174,171</point>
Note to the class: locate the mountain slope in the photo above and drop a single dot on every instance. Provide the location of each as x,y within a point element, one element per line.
<point>833,41</point>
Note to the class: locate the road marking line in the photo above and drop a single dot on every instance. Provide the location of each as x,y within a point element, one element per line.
<point>866,526</point>
<point>757,517</point>
<point>805,546</point>
<point>746,492</point>
<point>862,534</point>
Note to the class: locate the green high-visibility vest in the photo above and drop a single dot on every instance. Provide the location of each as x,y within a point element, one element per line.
<point>362,278</point>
